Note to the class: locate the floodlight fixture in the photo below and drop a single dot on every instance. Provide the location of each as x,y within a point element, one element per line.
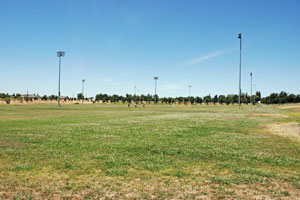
<point>61,53</point>
<point>239,35</point>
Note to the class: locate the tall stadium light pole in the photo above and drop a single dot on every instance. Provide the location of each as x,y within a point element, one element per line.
<point>240,68</point>
<point>82,90</point>
<point>251,86</point>
<point>155,96</point>
<point>190,93</point>
<point>134,90</point>
<point>59,55</point>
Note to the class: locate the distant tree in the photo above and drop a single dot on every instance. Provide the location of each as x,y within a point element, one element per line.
<point>274,98</point>
<point>215,99</point>
<point>2,96</point>
<point>231,99</point>
<point>298,98</point>
<point>221,99</point>
<point>79,96</point>
<point>180,99</point>
<point>227,100</point>
<point>235,99</point>
<point>282,97</point>
<point>258,94</point>
<point>207,99</point>
<point>7,100</point>
<point>44,98</point>
<point>66,98</point>
<point>198,100</point>
<point>114,98</point>
<point>164,100</point>
<point>291,98</point>
<point>192,99</point>
<point>129,98</point>
<point>245,98</point>
<point>170,100</point>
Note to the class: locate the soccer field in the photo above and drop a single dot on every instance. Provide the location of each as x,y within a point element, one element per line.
<point>157,152</point>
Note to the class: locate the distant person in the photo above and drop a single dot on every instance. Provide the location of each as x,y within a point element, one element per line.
<point>135,104</point>
<point>128,105</point>
<point>144,105</point>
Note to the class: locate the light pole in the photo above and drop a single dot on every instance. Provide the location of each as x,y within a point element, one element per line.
<point>134,90</point>
<point>59,55</point>
<point>82,89</point>
<point>190,93</point>
<point>155,96</point>
<point>240,37</point>
<point>251,86</point>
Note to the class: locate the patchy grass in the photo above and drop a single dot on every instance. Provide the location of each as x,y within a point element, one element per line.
<point>157,152</point>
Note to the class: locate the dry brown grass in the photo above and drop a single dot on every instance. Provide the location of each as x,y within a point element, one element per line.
<point>290,129</point>
<point>94,186</point>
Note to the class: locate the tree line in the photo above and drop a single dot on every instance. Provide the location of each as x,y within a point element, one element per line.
<point>274,98</point>
<point>281,98</point>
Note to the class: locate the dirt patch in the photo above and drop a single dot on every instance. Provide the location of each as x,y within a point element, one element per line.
<point>291,129</point>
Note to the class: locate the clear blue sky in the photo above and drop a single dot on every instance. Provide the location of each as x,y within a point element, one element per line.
<point>117,44</point>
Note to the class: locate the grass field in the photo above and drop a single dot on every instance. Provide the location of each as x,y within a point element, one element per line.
<point>156,152</point>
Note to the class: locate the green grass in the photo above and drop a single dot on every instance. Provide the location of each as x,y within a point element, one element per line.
<point>92,151</point>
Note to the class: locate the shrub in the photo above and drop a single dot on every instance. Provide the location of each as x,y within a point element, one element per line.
<point>7,100</point>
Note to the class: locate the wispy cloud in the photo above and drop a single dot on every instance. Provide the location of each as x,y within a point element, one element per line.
<point>208,56</point>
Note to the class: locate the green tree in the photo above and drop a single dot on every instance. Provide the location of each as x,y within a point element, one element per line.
<point>207,99</point>
<point>80,96</point>
<point>215,99</point>
<point>7,100</point>
<point>44,98</point>
<point>221,99</point>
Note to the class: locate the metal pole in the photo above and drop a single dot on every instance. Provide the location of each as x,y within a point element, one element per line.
<point>190,93</point>
<point>240,69</point>
<point>59,81</point>
<point>251,87</point>
<point>134,90</point>
<point>155,97</point>
<point>82,90</point>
